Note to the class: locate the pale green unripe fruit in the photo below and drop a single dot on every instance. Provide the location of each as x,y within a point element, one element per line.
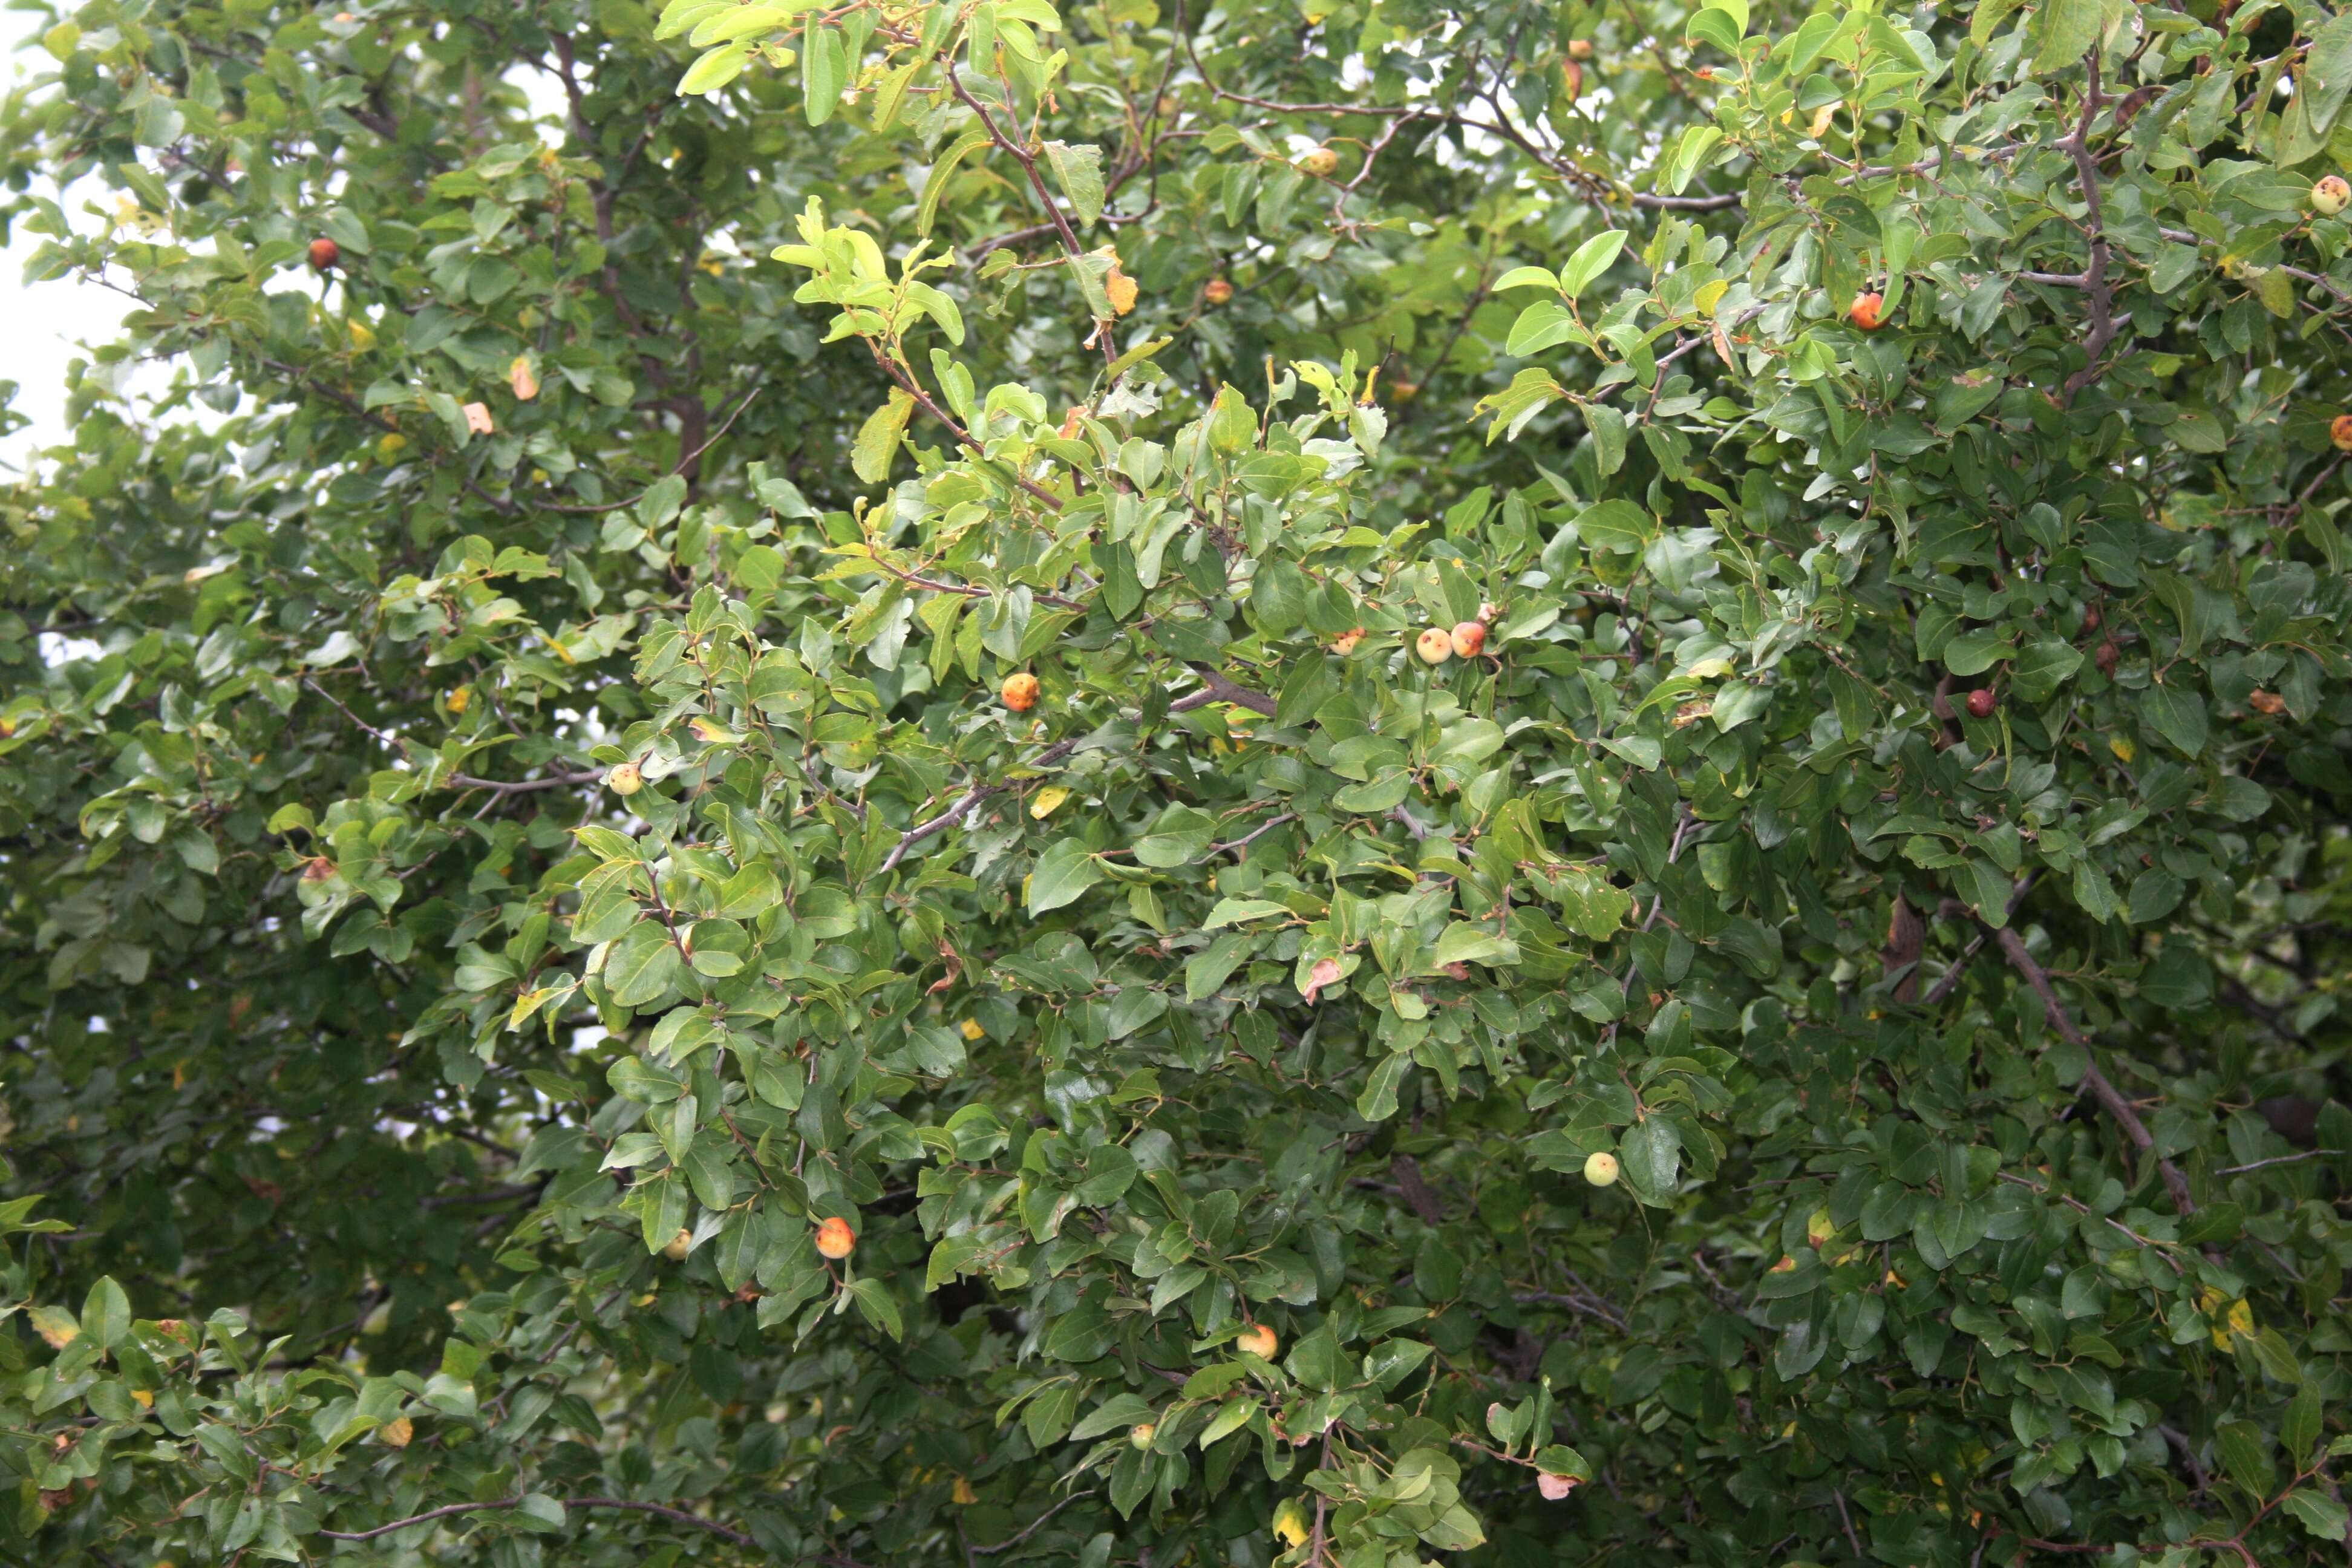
<point>626,780</point>
<point>2330,196</point>
<point>1600,1168</point>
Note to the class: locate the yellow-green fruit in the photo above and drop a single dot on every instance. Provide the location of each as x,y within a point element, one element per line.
<point>1600,1168</point>
<point>1320,162</point>
<point>2330,196</point>
<point>626,780</point>
<point>1141,1434</point>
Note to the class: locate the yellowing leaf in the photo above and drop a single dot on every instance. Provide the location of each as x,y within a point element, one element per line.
<point>458,700</point>
<point>391,446</point>
<point>961,1492</point>
<point>971,1029</point>
<point>1290,1523</point>
<point>477,418</point>
<point>396,1433</point>
<point>1047,799</point>
<point>877,439</point>
<point>712,733</point>
<point>57,1326</point>
<point>1121,289</point>
<point>522,378</point>
<point>363,336</point>
<point>2123,749</point>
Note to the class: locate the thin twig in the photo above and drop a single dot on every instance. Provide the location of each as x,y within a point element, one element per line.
<point>965,801</point>
<point>1218,688</point>
<point>2104,1091</point>
<point>678,1514</point>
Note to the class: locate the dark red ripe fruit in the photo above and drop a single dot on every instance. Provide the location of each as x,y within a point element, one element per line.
<point>325,253</point>
<point>1981,703</point>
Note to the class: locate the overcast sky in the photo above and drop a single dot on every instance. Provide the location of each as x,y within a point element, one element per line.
<point>41,323</point>
<point>43,326</point>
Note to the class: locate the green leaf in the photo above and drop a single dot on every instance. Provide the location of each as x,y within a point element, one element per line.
<point>106,1314</point>
<point>714,70</point>
<point>2245,1454</point>
<point>1067,869</point>
<point>1590,261</point>
<point>2064,31</point>
<point>879,437</point>
<point>2321,1516</point>
<point>2177,714</point>
<point>1078,171</point>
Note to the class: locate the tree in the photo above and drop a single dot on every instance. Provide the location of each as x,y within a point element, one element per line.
<point>1339,784</point>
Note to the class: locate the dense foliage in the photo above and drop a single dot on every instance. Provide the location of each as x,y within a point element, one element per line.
<point>1344,783</point>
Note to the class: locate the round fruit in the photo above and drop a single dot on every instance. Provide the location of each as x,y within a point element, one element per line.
<point>1552,1487</point>
<point>2330,196</point>
<point>1468,637</point>
<point>1868,310</point>
<point>1216,291</point>
<point>626,780</point>
<point>679,1246</point>
<point>1141,1434</point>
<point>1345,644</point>
<point>1019,691</point>
<point>1600,1168</point>
<point>1320,162</point>
<point>2339,432</point>
<point>325,253</point>
<point>1579,48</point>
<point>1571,80</point>
<point>1259,1340</point>
<point>1434,646</point>
<point>1980,703</point>
<point>835,1238</point>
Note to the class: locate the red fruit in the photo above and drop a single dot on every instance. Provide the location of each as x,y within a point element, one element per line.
<point>2339,432</point>
<point>1980,703</point>
<point>325,253</point>
<point>1868,310</point>
<point>835,1238</point>
<point>1019,691</point>
<point>1468,637</point>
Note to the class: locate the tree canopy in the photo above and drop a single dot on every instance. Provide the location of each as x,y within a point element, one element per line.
<point>1306,782</point>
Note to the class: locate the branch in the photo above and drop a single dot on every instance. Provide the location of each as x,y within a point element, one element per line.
<point>678,1514</point>
<point>924,401</point>
<point>1035,1525</point>
<point>2097,293</point>
<point>1028,161</point>
<point>685,461</point>
<point>969,591</point>
<point>2096,1080</point>
<point>1416,1189</point>
<point>1218,688</point>
<point>965,801</point>
<point>1951,978</point>
<point>402,744</point>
